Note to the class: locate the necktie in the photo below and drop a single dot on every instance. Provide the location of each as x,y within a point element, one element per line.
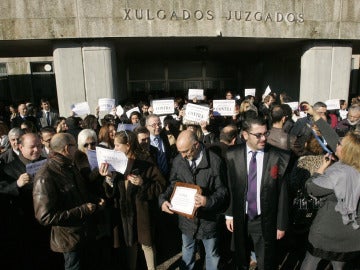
<point>161,156</point>
<point>48,118</point>
<point>251,193</point>
<point>193,166</point>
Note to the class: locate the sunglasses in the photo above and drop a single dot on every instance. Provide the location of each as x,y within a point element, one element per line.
<point>87,144</point>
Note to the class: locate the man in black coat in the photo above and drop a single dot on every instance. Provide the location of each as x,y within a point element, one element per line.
<point>24,233</point>
<point>196,165</point>
<point>258,211</point>
<point>23,116</point>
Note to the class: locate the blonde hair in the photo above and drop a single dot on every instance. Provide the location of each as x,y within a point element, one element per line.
<point>350,151</point>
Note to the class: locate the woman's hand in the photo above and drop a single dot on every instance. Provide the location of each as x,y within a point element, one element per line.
<point>135,179</point>
<point>104,169</point>
<point>326,162</point>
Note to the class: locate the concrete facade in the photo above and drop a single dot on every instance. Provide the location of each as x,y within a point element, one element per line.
<point>87,40</point>
<point>58,19</point>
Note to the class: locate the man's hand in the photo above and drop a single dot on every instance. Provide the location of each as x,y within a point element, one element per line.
<point>230,224</point>
<point>166,207</point>
<point>91,207</point>
<point>279,234</point>
<point>23,180</point>
<point>200,200</point>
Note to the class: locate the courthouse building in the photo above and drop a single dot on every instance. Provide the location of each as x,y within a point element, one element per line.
<point>81,50</point>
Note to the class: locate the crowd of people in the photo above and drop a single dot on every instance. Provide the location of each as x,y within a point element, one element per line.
<point>275,183</point>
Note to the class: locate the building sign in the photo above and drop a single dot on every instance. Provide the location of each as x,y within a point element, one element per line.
<point>129,14</point>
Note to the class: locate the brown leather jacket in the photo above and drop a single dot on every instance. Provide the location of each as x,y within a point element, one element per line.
<point>60,201</point>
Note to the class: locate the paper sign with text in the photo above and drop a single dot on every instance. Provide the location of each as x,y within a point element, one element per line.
<point>250,92</point>
<point>163,106</point>
<point>223,107</point>
<point>81,108</point>
<point>117,160</point>
<point>196,93</point>
<point>106,104</point>
<point>194,114</point>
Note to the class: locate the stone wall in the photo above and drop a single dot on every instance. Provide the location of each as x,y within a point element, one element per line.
<point>57,19</point>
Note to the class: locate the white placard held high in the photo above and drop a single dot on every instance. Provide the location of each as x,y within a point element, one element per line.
<point>267,91</point>
<point>163,106</point>
<point>250,92</point>
<point>106,104</point>
<point>223,107</point>
<point>196,93</point>
<point>135,109</point>
<point>119,110</point>
<point>122,127</point>
<point>81,108</point>
<point>333,104</point>
<point>32,168</point>
<point>196,113</point>
<point>117,160</point>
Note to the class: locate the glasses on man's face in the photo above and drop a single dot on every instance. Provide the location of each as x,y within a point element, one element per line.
<point>155,125</point>
<point>92,144</point>
<point>259,135</point>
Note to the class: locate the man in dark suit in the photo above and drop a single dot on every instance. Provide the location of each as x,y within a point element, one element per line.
<point>46,116</point>
<point>159,140</point>
<point>258,211</point>
<point>22,117</point>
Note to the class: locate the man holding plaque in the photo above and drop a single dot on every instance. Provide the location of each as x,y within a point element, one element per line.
<point>197,166</point>
<point>258,211</point>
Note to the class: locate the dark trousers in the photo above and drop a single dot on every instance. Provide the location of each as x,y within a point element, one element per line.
<point>256,237</point>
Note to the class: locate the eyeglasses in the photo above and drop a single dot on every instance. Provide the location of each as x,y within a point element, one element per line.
<point>87,144</point>
<point>259,135</point>
<point>155,125</point>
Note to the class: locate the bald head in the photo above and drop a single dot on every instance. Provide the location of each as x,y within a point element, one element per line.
<point>187,144</point>
<point>60,140</point>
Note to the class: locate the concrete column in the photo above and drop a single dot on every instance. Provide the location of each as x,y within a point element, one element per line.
<point>325,72</point>
<point>84,72</point>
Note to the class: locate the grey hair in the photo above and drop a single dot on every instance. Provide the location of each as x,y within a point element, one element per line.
<point>83,136</point>
<point>16,132</point>
<point>150,116</point>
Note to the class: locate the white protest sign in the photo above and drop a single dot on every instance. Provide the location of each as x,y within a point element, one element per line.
<point>332,104</point>
<point>293,105</point>
<point>250,92</point>
<point>196,93</point>
<point>119,110</point>
<point>81,108</point>
<point>32,168</point>
<point>163,106</point>
<point>117,160</point>
<point>91,155</point>
<point>223,107</point>
<point>122,127</point>
<point>106,104</point>
<point>135,109</point>
<point>267,91</point>
<point>196,113</point>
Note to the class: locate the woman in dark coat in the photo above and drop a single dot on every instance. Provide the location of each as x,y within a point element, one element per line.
<point>335,232</point>
<point>135,196</point>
